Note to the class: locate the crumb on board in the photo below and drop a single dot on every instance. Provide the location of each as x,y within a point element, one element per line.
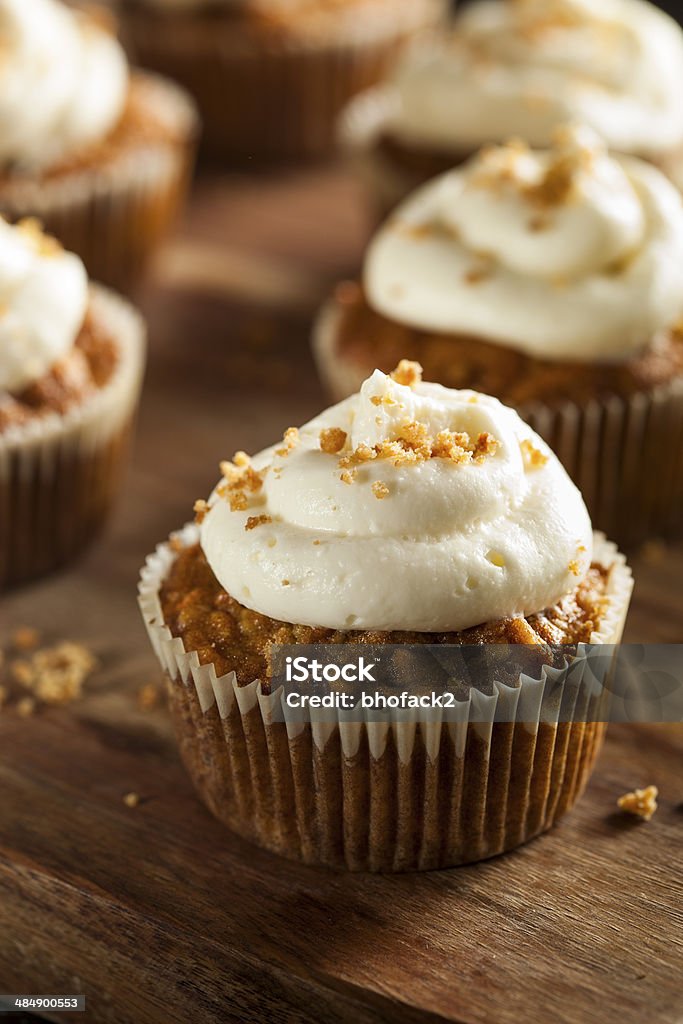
<point>148,696</point>
<point>131,799</point>
<point>52,674</point>
<point>642,803</point>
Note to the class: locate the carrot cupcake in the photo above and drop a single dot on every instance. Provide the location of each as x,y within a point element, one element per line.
<point>271,76</point>
<point>553,280</point>
<point>100,155</point>
<point>521,69</point>
<point>407,515</point>
<point>71,361</point>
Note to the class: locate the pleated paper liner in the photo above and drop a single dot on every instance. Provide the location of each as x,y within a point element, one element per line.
<point>624,454</point>
<point>273,95</point>
<point>59,474</point>
<point>384,796</point>
<point>114,214</point>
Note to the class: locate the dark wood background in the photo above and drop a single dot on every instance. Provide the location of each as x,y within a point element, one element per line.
<point>157,913</point>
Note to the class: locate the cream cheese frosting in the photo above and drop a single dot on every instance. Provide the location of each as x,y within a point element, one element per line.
<point>568,254</point>
<point>521,67</point>
<point>63,82</point>
<point>408,506</point>
<point>43,300</point>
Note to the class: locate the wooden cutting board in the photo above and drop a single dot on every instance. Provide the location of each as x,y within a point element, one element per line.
<point>157,913</point>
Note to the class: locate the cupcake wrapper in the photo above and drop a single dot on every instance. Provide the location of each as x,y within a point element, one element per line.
<point>114,215</point>
<point>624,454</point>
<point>59,474</point>
<point>290,87</point>
<point>382,796</point>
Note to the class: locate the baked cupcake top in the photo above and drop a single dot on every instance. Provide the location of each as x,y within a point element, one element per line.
<point>566,254</point>
<point>522,67</point>
<point>63,82</point>
<point>406,507</point>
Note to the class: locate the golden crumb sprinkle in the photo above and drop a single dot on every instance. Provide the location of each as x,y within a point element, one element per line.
<point>415,444</point>
<point>32,230</point>
<point>254,521</point>
<point>574,567</point>
<point>641,802</point>
<point>238,501</point>
<point>380,490</point>
<point>26,638</point>
<point>200,507</point>
<point>532,456</point>
<point>332,440</point>
<point>285,583</point>
<point>347,476</point>
<point>21,672</point>
<point>291,439</point>
<point>147,697</point>
<point>407,373</point>
<point>131,799</point>
<point>241,459</point>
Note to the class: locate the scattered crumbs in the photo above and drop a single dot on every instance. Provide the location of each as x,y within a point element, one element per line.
<point>382,400</point>
<point>380,489</point>
<point>241,459</point>
<point>201,507</point>
<point>407,373</point>
<point>26,707</point>
<point>532,456</point>
<point>52,675</point>
<point>285,583</point>
<point>574,567</point>
<point>291,439</point>
<point>653,552</point>
<point>254,521</point>
<point>131,799</point>
<point>641,802</point>
<point>238,501</point>
<point>26,638</point>
<point>332,440</point>
<point>148,697</point>
<point>414,444</point>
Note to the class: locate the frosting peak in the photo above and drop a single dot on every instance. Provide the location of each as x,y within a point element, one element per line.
<point>406,507</point>
<point>43,299</point>
<point>63,82</point>
<point>525,66</point>
<point>563,254</point>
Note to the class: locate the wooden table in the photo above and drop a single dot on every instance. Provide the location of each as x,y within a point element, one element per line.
<point>157,913</point>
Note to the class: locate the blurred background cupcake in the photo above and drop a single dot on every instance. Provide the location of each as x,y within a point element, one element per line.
<point>270,76</point>
<point>554,280</point>
<point>100,154</point>
<point>521,68</point>
<point>410,514</point>
<point>71,364</point>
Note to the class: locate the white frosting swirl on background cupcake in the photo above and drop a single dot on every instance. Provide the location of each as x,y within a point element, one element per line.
<point>63,82</point>
<point>567,255</point>
<point>476,521</point>
<point>521,67</point>
<point>43,300</point>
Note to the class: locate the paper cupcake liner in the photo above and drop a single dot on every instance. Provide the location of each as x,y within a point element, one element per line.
<point>397,795</point>
<point>59,473</point>
<point>272,96</point>
<point>114,214</point>
<point>625,454</point>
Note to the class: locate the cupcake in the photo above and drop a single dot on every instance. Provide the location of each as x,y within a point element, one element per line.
<point>407,515</point>
<point>521,69</point>
<point>554,281</point>
<point>271,76</point>
<point>71,362</point>
<point>101,156</point>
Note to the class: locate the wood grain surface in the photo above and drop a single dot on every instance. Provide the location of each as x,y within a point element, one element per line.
<point>157,913</point>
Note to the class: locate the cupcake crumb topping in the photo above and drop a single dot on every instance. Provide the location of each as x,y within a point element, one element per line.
<point>642,803</point>
<point>332,440</point>
<point>407,373</point>
<point>533,457</point>
<point>254,521</point>
<point>380,489</point>
<point>291,439</point>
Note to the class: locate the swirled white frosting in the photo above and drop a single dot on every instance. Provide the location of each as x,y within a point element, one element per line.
<point>63,82</point>
<point>449,545</point>
<point>521,67</point>
<point>43,299</point>
<point>567,255</point>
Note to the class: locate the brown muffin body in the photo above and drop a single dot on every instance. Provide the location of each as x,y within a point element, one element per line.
<point>270,79</point>
<point>369,340</point>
